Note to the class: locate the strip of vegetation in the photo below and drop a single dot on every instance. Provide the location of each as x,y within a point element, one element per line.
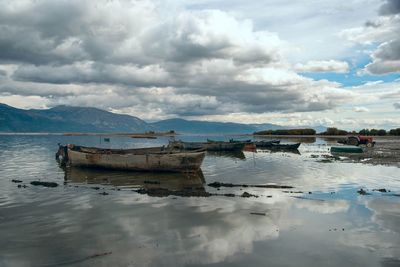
<point>373,132</point>
<point>331,131</point>
<point>287,132</point>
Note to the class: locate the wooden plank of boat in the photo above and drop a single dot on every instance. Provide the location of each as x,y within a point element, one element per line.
<point>143,159</point>
<point>285,146</point>
<point>346,149</point>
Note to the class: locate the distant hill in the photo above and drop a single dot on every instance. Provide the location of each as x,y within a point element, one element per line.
<point>86,119</point>
<point>67,119</point>
<point>189,126</point>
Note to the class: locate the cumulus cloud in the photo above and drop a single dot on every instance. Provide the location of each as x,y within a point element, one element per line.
<point>386,32</point>
<point>134,57</point>
<point>360,109</point>
<point>386,59</point>
<point>323,66</point>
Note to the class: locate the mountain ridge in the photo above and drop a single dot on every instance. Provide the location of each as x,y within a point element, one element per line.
<point>64,119</point>
<point>67,119</point>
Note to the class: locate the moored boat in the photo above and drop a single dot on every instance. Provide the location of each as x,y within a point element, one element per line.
<point>285,146</point>
<point>141,159</point>
<point>266,144</point>
<point>209,146</point>
<point>346,149</point>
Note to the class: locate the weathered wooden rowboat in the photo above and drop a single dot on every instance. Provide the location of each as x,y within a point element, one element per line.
<point>346,149</point>
<point>142,159</point>
<point>209,146</point>
<point>266,144</point>
<point>284,146</point>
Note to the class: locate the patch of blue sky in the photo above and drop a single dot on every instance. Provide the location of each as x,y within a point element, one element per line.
<point>355,76</point>
<point>352,78</point>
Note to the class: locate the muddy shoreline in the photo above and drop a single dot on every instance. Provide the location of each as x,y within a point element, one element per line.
<point>385,152</point>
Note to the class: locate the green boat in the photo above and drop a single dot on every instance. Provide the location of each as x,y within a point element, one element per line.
<point>346,149</point>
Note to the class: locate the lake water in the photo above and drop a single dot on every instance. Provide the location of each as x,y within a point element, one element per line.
<point>94,218</point>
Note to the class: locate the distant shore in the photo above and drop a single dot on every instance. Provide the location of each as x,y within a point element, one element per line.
<point>160,134</point>
<point>133,135</point>
<point>316,135</point>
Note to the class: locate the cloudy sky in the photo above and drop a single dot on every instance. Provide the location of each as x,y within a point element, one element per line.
<point>311,62</point>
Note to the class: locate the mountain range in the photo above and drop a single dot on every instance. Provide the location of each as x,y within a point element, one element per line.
<point>63,119</point>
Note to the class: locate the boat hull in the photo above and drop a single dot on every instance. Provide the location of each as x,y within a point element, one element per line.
<point>346,149</point>
<point>266,144</point>
<point>285,146</point>
<point>174,162</point>
<point>209,146</point>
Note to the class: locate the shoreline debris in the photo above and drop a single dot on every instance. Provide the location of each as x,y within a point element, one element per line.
<point>218,184</point>
<point>245,194</point>
<point>45,184</point>
<point>382,190</point>
<point>363,192</point>
<point>258,213</point>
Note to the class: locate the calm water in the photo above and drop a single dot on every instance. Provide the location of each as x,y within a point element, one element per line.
<point>73,224</point>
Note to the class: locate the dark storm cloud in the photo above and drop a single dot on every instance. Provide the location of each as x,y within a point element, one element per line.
<point>99,73</point>
<point>373,24</point>
<point>39,32</point>
<point>390,7</point>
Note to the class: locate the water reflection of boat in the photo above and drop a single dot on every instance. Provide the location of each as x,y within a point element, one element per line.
<point>294,139</point>
<point>187,184</point>
<point>238,154</point>
<point>292,151</point>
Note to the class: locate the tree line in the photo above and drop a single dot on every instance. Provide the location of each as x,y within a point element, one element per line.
<point>287,132</point>
<point>373,132</point>
<point>330,131</point>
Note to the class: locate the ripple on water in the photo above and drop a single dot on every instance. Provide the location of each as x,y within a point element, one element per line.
<point>68,222</point>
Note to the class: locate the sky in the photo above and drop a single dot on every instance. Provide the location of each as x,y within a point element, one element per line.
<point>334,63</point>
